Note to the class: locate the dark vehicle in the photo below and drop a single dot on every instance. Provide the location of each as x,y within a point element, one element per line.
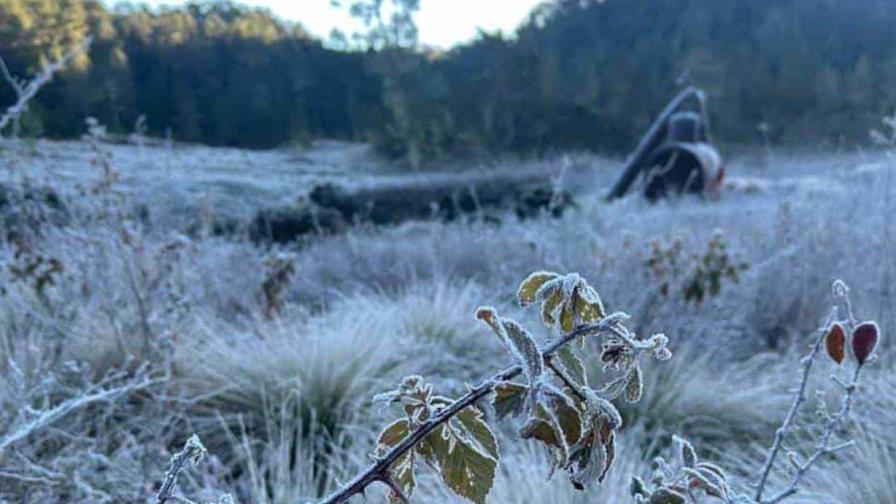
<point>676,155</point>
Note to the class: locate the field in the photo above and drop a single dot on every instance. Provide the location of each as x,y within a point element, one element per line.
<point>127,324</point>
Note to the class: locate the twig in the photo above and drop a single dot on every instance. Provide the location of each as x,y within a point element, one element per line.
<point>26,91</point>
<point>379,471</point>
<point>50,416</point>
<point>798,400</point>
<point>822,449</point>
<point>192,452</point>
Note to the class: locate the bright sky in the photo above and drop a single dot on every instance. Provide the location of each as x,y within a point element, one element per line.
<point>442,23</point>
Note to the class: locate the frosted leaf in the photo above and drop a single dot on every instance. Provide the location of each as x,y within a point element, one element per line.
<point>634,384</point>
<point>525,349</point>
<point>531,286</point>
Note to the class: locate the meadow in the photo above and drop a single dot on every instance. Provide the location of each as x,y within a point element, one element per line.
<point>127,324</point>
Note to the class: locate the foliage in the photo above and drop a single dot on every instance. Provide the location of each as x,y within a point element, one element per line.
<point>697,277</point>
<point>575,422</point>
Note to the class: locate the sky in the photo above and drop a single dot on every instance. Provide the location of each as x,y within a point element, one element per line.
<point>442,23</point>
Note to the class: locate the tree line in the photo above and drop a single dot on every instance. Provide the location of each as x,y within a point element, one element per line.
<point>581,74</point>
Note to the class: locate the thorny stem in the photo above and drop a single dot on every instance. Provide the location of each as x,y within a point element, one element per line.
<point>798,400</point>
<point>822,449</point>
<point>396,490</point>
<point>379,471</point>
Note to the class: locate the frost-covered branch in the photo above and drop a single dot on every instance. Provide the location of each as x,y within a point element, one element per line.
<point>863,341</point>
<point>27,90</point>
<point>808,361</point>
<point>50,416</point>
<point>380,470</point>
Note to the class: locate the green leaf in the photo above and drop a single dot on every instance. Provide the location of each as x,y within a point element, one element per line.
<point>393,434</point>
<point>549,308</point>
<point>592,308</point>
<point>466,470</point>
<point>402,471</point>
<point>530,286</point>
<point>404,475</point>
<point>472,421</point>
<point>509,399</point>
<point>634,384</point>
<point>554,421</point>
<point>667,496</point>
<point>568,316</point>
<point>573,365</point>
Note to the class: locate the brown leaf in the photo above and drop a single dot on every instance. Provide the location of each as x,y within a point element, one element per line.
<point>835,342</point>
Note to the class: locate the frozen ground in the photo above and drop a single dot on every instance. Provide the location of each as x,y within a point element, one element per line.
<point>283,402</point>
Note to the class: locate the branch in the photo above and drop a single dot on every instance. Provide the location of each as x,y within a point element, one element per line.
<point>50,416</point>
<point>28,91</point>
<point>808,362</point>
<point>823,448</point>
<point>379,471</point>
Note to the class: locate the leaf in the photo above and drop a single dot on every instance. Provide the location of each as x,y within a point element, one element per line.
<point>706,481</point>
<point>471,419</point>
<point>593,308</point>
<point>404,475</point>
<point>548,289</point>
<point>602,410</point>
<point>667,496</point>
<point>589,460</point>
<point>555,421</point>
<point>524,347</point>
<point>835,342</point>
<point>573,365</point>
<point>529,287</point>
<point>402,471</point>
<point>509,399</point>
<point>549,308</point>
<point>393,434</point>
<point>634,384</point>
<point>568,316</point>
<point>864,341</point>
<point>686,451</point>
<point>466,470</point>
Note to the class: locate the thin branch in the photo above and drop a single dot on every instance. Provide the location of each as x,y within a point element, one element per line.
<point>50,416</point>
<point>781,432</point>
<point>823,448</point>
<point>379,471</point>
<point>24,93</point>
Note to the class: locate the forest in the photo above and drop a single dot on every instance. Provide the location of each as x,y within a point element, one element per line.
<point>578,74</point>
<point>245,264</point>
